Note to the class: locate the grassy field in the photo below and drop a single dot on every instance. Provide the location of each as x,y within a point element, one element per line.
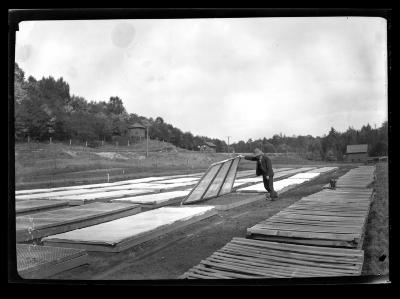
<point>40,165</point>
<point>46,165</point>
<point>376,242</point>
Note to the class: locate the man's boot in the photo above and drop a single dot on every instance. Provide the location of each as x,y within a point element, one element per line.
<point>274,195</point>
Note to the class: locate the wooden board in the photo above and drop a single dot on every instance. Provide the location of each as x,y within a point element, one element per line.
<point>37,262</point>
<point>35,206</point>
<point>120,234</point>
<point>326,218</point>
<point>245,258</point>
<point>38,225</point>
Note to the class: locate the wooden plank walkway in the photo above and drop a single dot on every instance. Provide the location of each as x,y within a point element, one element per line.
<point>318,236</point>
<point>360,177</point>
<point>36,262</point>
<point>246,258</point>
<point>327,218</point>
<point>38,225</point>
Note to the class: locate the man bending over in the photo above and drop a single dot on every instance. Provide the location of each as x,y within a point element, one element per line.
<point>264,168</point>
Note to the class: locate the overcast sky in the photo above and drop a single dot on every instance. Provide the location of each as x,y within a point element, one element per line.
<point>244,78</point>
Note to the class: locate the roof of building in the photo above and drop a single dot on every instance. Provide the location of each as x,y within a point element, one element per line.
<point>357,148</point>
<point>209,144</point>
<point>137,125</point>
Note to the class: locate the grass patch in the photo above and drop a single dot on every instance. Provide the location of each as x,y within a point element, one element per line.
<point>376,242</point>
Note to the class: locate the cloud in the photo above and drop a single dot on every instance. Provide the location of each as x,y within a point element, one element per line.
<point>246,78</point>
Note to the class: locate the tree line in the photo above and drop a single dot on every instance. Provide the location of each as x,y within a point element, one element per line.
<point>329,147</point>
<point>45,108</point>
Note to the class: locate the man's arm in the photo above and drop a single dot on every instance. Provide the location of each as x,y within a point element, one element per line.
<point>251,158</point>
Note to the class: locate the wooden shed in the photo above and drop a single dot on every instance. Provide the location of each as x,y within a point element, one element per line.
<point>137,131</point>
<point>208,147</point>
<point>357,153</point>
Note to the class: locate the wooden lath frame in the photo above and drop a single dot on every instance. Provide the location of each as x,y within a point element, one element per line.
<point>220,163</point>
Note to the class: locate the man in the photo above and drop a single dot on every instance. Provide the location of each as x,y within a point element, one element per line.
<point>264,168</point>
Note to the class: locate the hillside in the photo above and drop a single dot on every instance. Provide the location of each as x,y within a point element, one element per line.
<point>43,164</point>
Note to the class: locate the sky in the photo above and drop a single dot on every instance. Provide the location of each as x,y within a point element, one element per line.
<point>243,78</point>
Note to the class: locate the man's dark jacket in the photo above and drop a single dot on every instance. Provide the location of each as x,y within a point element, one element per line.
<point>264,165</point>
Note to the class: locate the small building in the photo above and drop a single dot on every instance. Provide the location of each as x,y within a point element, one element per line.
<point>208,147</point>
<point>357,153</point>
<point>137,131</point>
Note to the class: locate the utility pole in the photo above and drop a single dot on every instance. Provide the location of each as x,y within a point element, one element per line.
<point>228,143</point>
<point>147,142</point>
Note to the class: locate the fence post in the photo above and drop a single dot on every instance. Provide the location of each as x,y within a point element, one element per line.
<point>29,139</point>
<point>108,177</point>
<point>70,142</point>
<point>50,139</point>
<point>86,144</point>
<point>128,142</point>
<point>102,143</point>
